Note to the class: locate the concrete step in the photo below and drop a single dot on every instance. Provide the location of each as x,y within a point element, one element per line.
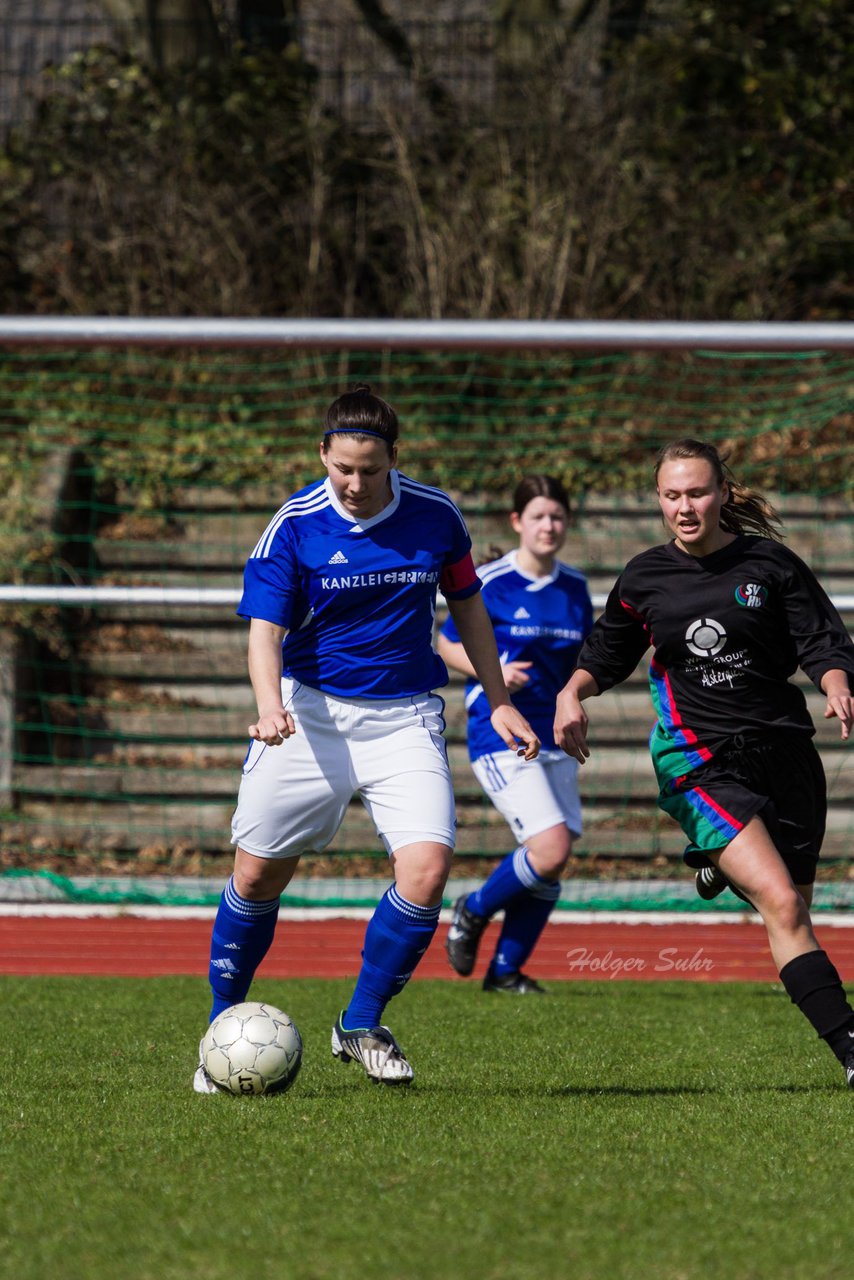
<point>614,775</point>
<point>170,697</point>
<point>210,537</point>
<point>608,779</point>
<point>201,712</point>
<point>89,828</point>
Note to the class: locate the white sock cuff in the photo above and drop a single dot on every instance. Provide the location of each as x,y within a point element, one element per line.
<point>246,907</point>
<point>412,909</point>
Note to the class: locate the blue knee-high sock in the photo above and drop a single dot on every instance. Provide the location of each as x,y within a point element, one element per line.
<point>242,934</point>
<point>524,921</point>
<point>528,900</point>
<point>397,936</point>
<point>509,879</point>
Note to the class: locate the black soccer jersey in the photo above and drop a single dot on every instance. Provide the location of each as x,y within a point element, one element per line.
<point>728,631</point>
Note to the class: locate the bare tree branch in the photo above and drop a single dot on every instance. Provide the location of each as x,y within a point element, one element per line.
<point>397,42</point>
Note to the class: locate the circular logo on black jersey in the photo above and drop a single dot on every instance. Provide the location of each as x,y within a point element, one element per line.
<point>705,637</point>
<point>751,595</point>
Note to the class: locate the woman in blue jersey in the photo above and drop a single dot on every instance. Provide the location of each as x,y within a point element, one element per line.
<point>340,593</point>
<point>732,614</point>
<point>541,612</point>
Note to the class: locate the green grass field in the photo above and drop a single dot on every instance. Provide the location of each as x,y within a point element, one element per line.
<point>610,1130</point>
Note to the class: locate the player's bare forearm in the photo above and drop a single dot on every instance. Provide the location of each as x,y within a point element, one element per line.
<point>454,655</point>
<point>478,638</point>
<point>570,726</point>
<point>274,723</point>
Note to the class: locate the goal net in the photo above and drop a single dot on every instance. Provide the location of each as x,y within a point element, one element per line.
<point>137,478</point>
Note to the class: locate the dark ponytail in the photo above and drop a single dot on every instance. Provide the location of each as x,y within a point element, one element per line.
<point>363,415</point>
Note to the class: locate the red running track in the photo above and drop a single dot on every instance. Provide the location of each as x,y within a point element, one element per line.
<point>130,946</point>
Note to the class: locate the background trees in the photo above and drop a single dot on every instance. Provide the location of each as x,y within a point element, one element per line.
<point>636,159</point>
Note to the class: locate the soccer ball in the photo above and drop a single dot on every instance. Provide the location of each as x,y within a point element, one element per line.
<point>252,1048</point>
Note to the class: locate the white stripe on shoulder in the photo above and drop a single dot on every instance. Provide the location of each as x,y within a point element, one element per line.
<point>496,569</point>
<point>305,505</point>
<point>415,487</point>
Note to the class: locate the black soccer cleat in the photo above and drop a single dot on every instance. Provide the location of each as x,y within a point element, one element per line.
<point>710,883</point>
<point>849,1067</point>
<point>463,940</point>
<point>376,1049</point>
<point>513,984</point>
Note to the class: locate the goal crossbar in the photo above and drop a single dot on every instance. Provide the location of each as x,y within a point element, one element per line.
<point>428,334</point>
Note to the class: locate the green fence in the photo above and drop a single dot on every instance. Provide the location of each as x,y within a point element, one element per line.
<point>125,722</point>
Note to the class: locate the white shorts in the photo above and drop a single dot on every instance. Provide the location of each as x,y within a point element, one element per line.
<point>532,795</point>
<point>390,753</point>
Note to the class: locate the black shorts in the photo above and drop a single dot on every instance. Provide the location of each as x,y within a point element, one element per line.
<point>781,779</point>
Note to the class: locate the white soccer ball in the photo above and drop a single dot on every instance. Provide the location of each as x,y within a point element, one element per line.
<point>252,1048</point>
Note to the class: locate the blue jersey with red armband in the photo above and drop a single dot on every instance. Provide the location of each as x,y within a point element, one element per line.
<point>358,596</point>
<point>538,620</point>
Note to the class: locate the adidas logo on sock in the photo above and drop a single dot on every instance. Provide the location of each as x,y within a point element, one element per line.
<point>521,612</point>
<point>226,966</point>
<point>338,558</point>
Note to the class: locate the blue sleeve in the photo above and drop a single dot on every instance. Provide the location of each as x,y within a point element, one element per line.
<point>271,583</point>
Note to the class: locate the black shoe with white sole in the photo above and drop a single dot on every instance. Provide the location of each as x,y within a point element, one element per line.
<point>710,883</point>
<point>463,940</point>
<point>513,984</point>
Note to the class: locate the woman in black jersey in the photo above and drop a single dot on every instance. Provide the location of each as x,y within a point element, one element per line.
<point>731,614</point>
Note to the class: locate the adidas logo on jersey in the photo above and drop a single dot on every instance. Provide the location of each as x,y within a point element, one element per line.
<point>521,612</point>
<point>338,558</point>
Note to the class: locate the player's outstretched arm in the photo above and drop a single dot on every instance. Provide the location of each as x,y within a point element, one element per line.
<point>478,638</point>
<point>840,702</point>
<point>274,723</point>
<point>570,727</point>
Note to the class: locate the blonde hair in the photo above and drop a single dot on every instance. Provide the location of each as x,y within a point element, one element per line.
<point>745,510</point>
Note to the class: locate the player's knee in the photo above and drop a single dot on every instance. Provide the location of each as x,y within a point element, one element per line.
<point>260,879</point>
<point>426,886</point>
<point>784,906</point>
<point>421,875</point>
<point>549,853</point>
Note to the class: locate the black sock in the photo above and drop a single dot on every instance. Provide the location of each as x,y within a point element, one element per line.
<point>815,987</point>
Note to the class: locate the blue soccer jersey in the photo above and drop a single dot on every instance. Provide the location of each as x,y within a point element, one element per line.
<point>543,621</point>
<point>358,597</point>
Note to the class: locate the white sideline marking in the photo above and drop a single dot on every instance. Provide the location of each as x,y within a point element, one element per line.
<point>832,919</point>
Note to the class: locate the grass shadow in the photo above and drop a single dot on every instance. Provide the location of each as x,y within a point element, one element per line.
<point>676,1091</point>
